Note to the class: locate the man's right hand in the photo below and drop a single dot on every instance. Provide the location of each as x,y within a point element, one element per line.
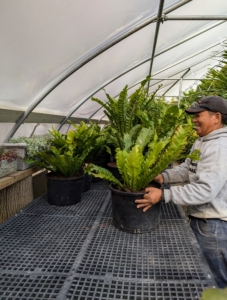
<point>159,178</point>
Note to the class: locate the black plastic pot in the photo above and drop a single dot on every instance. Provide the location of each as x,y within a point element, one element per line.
<point>87,182</point>
<point>112,167</point>
<point>101,163</point>
<point>127,217</point>
<point>63,191</point>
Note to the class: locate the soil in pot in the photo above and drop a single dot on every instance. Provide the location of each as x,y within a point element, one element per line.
<point>127,217</point>
<point>63,191</point>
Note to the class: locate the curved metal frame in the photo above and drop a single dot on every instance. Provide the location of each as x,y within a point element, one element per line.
<point>81,102</point>
<point>84,61</point>
<point>78,105</point>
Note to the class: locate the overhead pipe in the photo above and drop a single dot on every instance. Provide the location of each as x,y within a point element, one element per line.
<point>160,10</point>
<point>83,61</point>
<point>177,81</point>
<point>193,18</point>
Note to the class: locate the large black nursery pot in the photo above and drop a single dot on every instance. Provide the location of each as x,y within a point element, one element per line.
<point>63,191</point>
<point>112,167</point>
<point>101,162</point>
<point>87,182</point>
<point>127,217</point>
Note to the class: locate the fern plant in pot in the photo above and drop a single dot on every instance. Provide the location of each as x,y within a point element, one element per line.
<point>88,136</point>
<point>64,160</point>
<point>138,163</point>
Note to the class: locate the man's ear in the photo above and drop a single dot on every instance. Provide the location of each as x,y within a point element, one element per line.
<point>217,117</point>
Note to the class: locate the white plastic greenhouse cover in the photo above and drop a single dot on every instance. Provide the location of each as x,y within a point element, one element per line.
<point>57,54</point>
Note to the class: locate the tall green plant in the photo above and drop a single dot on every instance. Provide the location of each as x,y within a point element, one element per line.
<point>126,112</point>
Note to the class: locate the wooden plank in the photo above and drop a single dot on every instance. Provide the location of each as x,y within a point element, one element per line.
<point>15,197</point>
<point>17,176</point>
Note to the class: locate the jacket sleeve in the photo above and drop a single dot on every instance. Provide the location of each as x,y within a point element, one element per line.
<point>178,174</point>
<point>211,176</point>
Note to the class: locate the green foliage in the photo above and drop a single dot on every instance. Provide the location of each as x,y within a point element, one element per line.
<point>88,136</point>
<point>62,161</point>
<point>214,294</point>
<point>126,112</point>
<point>145,160</point>
<point>102,173</point>
<point>67,152</point>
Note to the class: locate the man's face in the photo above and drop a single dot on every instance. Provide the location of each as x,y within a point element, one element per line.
<point>205,122</point>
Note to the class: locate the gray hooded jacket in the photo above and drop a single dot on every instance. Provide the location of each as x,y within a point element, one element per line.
<point>205,194</point>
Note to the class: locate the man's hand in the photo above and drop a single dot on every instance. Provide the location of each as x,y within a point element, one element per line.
<point>152,197</point>
<point>159,178</point>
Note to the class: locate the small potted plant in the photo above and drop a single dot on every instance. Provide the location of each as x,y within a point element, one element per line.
<point>89,136</point>
<point>64,160</point>
<point>8,161</point>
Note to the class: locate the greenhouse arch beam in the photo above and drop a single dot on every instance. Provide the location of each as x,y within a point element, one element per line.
<point>161,4</point>
<point>197,53</point>
<point>162,79</point>
<point>81,102</point>
<point>181,78</point>
<point>88,119</point>
<point>83,61</point>
<point>189,38</point>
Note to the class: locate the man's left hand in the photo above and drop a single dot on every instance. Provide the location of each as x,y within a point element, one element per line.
<point>152,197</point>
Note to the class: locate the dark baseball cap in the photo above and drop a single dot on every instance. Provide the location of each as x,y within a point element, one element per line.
<point>210,103</point>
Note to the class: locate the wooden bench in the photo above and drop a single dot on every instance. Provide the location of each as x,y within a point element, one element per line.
<point>19,189</point>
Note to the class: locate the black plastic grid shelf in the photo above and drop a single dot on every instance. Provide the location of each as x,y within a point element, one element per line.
<point>42,243</point>
<point>166,253</point>
<point>30,287</point>
<point>75,252</point>
<point>89,205</point>
<point>102,289</point>
<point>100,185</point>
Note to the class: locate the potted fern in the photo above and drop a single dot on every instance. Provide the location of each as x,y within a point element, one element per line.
<point>64,160</point>
<point>138,163</point>
<point>145,144</point>
<point>88,136</point>
<point>125,114</point>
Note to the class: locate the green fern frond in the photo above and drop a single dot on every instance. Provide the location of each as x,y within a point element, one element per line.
<point>122,106</point>
<point>100,172</point>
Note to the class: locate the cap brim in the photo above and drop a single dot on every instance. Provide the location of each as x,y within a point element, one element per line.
<point>194,110</point>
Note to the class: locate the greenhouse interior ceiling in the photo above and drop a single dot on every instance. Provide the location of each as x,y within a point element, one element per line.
<point>58,54</point>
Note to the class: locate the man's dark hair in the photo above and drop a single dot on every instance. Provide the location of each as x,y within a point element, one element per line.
<point>223,118</point>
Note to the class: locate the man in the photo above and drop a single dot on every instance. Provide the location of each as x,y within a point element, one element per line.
<point>205,194</point>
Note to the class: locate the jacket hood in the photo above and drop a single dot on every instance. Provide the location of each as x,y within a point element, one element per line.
<point>221,132</point>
